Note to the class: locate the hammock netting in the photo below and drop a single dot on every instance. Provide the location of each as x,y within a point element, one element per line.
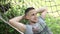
<point>13,8</point>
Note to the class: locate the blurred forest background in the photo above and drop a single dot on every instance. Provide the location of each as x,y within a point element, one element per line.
<point>13,8</point>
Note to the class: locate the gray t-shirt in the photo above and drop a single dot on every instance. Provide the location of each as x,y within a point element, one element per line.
<point>40,25</point>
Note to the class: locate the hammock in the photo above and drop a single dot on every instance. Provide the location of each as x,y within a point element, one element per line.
<point>10,24</point>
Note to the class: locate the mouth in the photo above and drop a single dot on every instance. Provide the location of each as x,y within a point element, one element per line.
<point>35,20</point>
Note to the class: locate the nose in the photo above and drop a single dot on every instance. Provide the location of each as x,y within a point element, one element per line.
<point>35,17</point>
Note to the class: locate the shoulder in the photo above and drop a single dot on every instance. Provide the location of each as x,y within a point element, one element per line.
<point>41,21</point>
<point>40,18</point>
<point>28,29</point>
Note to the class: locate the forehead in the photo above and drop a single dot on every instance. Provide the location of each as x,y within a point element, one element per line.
<point>32,11</point>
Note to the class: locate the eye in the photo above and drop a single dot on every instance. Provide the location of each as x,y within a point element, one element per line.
<point>32,14</point>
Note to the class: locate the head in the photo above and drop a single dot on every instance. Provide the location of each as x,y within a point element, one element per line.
<point>31,14</point>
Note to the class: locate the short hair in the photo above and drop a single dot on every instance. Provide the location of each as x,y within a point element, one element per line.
<point>28,9</point>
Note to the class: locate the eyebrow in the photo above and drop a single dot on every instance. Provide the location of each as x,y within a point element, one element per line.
<point>33,13</point>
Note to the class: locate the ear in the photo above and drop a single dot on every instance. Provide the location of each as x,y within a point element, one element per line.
<point>27,17</point>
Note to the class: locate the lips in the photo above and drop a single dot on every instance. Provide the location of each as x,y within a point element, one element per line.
<point>35,20</point>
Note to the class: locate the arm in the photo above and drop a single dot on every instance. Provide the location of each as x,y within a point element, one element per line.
<point>15,22</point>
<point>43,11</point>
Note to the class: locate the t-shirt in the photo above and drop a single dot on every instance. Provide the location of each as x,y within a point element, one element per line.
<point>40,26</point>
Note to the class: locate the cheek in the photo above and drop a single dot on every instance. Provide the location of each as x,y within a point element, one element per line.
<point>32,18</point>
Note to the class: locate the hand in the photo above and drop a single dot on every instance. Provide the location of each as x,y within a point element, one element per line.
<point>43,9</point>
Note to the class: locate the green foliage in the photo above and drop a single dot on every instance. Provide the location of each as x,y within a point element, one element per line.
<point>18,8</point>
<point>3,2</point>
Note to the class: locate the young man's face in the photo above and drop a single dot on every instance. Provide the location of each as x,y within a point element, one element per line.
<point>32,16</point>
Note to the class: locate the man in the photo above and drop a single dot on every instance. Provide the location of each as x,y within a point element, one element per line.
<point>36,24</point>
